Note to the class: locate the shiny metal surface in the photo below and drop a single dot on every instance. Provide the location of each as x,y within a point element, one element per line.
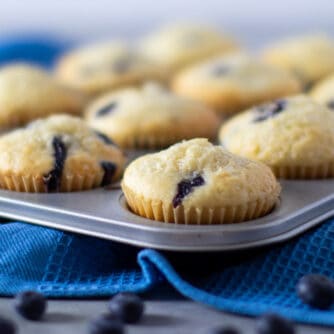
<point>103,213</point>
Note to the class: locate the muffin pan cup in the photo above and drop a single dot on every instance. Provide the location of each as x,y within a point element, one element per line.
<point>103,213</point>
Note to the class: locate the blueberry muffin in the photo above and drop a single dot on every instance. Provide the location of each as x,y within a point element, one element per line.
<point>310,57</point>
<point>294,136</point>
<point>57,154</point>
<point>195,182</point>
<point>178,45</point>
<point>323,92</point>
<point>99,68</point>
<point>234,82</point>
<point>150,117</point>
<point>28,92</point>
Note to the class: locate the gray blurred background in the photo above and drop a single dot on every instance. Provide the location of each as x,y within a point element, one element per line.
<point>255,22</point>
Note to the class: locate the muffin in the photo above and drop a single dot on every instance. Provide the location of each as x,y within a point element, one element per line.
<point>195,182</point>
<point>28,92</point>
<point>294,136</point>
<point>57,154</point>
<point>181,44</point>
<point>150,117</point>
<point>99,68</point>
<point>234,82</point>
<point>310,57</point>
<point>323,92</point>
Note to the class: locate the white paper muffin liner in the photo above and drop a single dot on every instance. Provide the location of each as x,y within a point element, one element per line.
<point>35,184</point>
<point>164,212</point>
<point>321,171</point>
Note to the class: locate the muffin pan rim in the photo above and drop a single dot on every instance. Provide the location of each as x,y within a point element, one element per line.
<point>70,212</point>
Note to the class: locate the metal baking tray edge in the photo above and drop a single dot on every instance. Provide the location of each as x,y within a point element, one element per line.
<point>103,213</point>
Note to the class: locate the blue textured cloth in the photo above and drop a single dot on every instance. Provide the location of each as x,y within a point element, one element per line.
<point>60,264</point>
<point>36,49</point>
<point>64,265</point>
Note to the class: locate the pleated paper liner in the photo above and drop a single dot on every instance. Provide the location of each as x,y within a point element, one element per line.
<point>321,171</point>
<point>36,184</point>
<point>164,212</point>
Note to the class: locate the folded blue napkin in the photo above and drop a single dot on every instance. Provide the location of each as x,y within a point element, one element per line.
<point>61,264</point>
<point>38,49</point>
<point>65,265</point>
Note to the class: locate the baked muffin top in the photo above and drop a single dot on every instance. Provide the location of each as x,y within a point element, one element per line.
<point>102,67</point>
<point>295,131</point>
<point>196,173</point>
<point>233,82</point>
<point>28,92</point>
<point>150,116</point>
<point>177,45</point>
<point>311,57</point>
<point>59,147</point>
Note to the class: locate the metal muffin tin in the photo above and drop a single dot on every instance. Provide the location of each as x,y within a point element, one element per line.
<point>103,213</point>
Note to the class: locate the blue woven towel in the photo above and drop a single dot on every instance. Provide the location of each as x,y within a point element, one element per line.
<point>65,265</point>
<point>38,49</point>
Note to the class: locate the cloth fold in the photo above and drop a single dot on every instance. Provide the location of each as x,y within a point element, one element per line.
<point>61,264</point>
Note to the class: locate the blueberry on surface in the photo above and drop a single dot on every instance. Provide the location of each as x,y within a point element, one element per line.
<point>7,326</point>
<point>112,316</point>
<point>316,291</point>
<point>128,306</point>
<point>185,187</point>
<point>102,325</point>
<point>224,330</point>
<point>30,304</point>
<point>272,323</point>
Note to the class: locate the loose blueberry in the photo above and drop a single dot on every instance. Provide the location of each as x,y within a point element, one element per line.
<point>269,110</point>
<point>102,325</point>
<point>106,109</point>
<point>129,306</point>
<point>105,138</point>
<point>271,323</point>
<point>112,316</point>
<point>30,304</point>
<point>185,187</point>
<point>52,180</point>
<point>330,104</point>
<point>224,330</point>
<point>7,326</point>
<point>109,169</point>
<point>316,291</point>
